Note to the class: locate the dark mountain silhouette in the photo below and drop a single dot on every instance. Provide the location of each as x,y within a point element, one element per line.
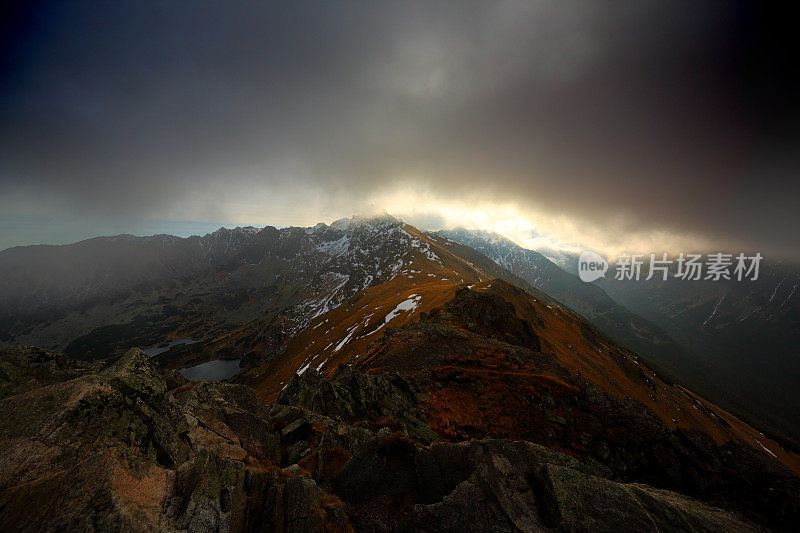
<point>745,338</point>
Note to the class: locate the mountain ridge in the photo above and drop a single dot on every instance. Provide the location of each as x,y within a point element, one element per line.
<point>442,345</point>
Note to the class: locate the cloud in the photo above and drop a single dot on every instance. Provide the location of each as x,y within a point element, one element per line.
<point>625,125</point>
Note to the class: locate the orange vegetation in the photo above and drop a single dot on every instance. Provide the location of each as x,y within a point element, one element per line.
<point>487,394</point>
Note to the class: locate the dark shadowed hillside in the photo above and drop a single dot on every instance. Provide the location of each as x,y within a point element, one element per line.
<point>730,340</point>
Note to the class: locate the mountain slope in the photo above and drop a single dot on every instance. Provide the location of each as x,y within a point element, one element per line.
<point>747,334</point>
<point>590,301</point>
<point>430,273</point>
<point>494,361</point>
<point>102,296</point>
<point>238,293</point>
<point>731,341</point>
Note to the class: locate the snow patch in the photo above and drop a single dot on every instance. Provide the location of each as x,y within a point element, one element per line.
<point>766,449</point>
<point>716,307</point>
<point>335,248</point>
<point>347,338</point>
<point>409,304</point>
<point>775,291</point>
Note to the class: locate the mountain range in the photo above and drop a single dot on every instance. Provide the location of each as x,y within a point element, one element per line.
<point>389,378</point>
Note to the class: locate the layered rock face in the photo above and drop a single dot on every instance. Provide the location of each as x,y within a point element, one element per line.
<point>135,448</point>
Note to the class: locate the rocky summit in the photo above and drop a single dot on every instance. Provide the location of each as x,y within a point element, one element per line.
<point>134,448</point>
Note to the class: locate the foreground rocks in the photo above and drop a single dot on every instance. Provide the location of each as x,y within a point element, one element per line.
<point>376,401</point>
<point>498,485</point>
<point>137,449</point>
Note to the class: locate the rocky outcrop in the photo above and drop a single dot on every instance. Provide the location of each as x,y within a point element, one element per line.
<point>499,485</point>
<point>386,400</point>
<point>137,449</point>
<point>488,315</point>
<point>480,377</point>
<point>26,368</point>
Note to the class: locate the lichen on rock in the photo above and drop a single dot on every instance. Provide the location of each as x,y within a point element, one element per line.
<point>351,396</point>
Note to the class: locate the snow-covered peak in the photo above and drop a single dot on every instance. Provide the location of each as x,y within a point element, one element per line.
<point>356,221</point>
<point>489,237</point>
<point>499,249</point>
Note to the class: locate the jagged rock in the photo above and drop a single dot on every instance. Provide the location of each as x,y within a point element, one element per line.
<point>95,450</point>
<point>466,508</point>
<point>136,375</point>
<point>230,418</point>
<point>174,379</point>
<point>301,496</point>
<point>352,396</point>
<point>207,489</point>
<point>25,368</point>
<point>573,501</point>
<point>515,486</point>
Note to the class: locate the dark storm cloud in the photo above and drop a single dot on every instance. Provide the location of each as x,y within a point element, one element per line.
<point>672,116</point>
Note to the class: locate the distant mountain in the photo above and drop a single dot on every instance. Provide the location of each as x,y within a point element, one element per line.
<point>244,293</point>
<point>241,293</point>
<point>746,332</point>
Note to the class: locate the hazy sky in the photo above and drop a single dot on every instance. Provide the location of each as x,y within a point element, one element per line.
<point>615,126</point>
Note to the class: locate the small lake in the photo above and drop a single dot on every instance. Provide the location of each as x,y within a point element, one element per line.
<point>155,350</point>
<point>212,370</point>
